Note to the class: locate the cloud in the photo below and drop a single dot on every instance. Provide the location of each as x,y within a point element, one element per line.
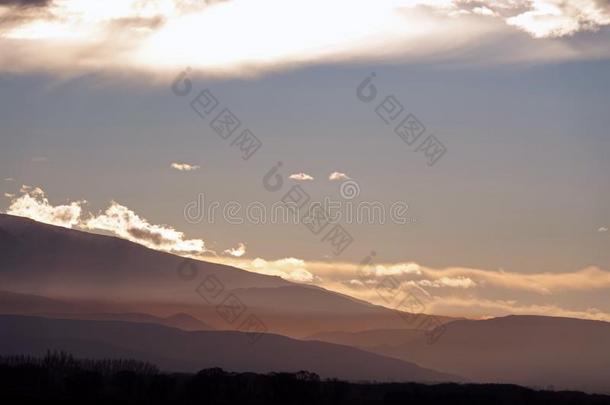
<point>9,179</point>
<point>125,223</point>
<point>472,307</point>
<point>338,176</point>
<point>9,195</point>
<point>557,18</point>
<point>602,229</point>
<point>446,292</point>
<point>184,167</point>
<point>34,204</point>
<point>455,291</point>
<point>79,35</point>
<point>300,176</point>
<point>396,269</point>
<point>239,251</point>
<point>457,282</point>
<point>484,11</point>
<point>117,219</point>
<point>288,268</point>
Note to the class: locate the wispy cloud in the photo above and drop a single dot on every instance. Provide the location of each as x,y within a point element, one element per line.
<point>300,177</point>
<point>338,176</point>
<point>239,251</point>
<point>184,167</point>
<point>474,307</point>
<point>9,179</point>
<point>453,282</point>
<point>452,291</point>
<point>288,268</point>
<point>602,229</point>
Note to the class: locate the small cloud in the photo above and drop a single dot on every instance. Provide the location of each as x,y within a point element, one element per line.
<point>9,179</point>
<point>602,229</point>
<point>484,11</point>
<point>239,251</point>
<point>9,195</point>
<point>184,167</point>
<point>300,177</point>
<point>338,176</point>
<point>39,159</point>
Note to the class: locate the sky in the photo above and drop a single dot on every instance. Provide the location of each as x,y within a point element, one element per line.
<point>105,129</point>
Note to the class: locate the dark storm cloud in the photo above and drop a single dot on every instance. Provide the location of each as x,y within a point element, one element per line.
<point>25,3</point>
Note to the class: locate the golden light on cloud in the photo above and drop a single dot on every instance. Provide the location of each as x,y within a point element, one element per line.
<point>246,36</point>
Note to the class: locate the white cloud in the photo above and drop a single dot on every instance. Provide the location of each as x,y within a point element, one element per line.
<point>34,204</point>
<point>116,219</point>
<point>602,229</point>
<point>142,35</point>
<point>397,269</point>
<point>557,18</point>
<point>184,167</point>
<point>239,251</point>
<point>338,176</point>
<point>288,268</point>
<point>126,224</point>
<point>300,176</point>
<point>9,179</point>
<point>9,195</point>
<point>484,11</point>
<point>457,282</point>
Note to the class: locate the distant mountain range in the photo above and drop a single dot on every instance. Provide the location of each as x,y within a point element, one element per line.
<point>536,351</point>
<point>101,274</point>
<point>176,350</point>
<point>100,296</point>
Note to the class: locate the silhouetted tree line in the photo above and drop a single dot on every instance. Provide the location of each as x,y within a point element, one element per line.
<point>60,378</point>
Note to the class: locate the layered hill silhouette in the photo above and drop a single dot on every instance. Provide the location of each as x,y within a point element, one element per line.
<point>89,282</point>
<point>537,351</point>
<point>94,273</point>
<point>28,304</point>
<point>177,350</point>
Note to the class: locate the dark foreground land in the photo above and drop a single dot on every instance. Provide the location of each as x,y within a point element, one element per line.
<point>60,378</point>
